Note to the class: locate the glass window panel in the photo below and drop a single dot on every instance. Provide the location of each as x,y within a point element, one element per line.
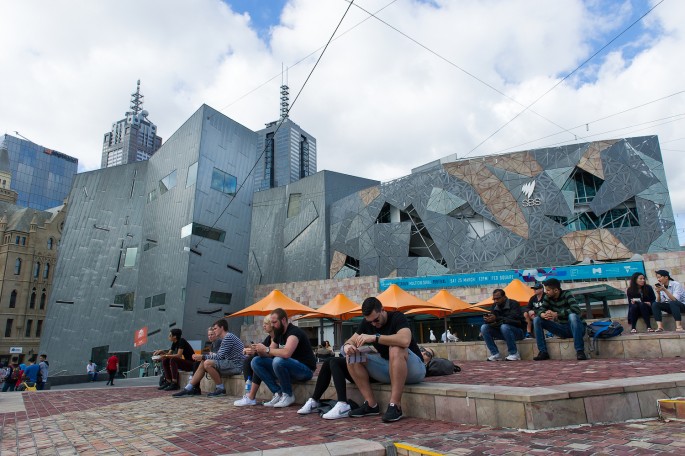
<point>131,254</point>
<point>209,232</point>
<point>167,183</point>
<point>192,175</point>
<point>187,230</point>
<point>219,297</point>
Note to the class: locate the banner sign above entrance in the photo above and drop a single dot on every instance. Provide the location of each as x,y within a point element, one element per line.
<point>603,271</point>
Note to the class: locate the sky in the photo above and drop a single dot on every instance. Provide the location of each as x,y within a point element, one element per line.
<point>421,80</point>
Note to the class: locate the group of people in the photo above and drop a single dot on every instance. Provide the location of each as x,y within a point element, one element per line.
<point>553,310</point>
<point>33,375</point>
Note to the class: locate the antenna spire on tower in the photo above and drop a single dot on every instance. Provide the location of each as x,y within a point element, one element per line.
<point>137,100</point>
<point>285,92</point>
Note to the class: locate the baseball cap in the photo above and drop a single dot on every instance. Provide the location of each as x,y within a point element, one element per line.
<point>537,286</point>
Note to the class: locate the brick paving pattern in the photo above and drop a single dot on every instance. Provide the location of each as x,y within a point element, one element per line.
<point>142,420</point>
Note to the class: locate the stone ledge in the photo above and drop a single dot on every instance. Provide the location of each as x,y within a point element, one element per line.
<point>611,400</point>
<point>356,447</point>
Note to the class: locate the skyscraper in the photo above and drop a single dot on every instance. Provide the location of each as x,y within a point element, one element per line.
<point>285,152</point>
<point>41,177</point>
<point>133,138</point>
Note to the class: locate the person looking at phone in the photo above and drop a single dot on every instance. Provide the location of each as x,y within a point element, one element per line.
<point>640,299</point>
<point>560,315</point>
<point>670,296</point>
<point>398,361</point>
<point>505,321</point>
<point>250,352</point>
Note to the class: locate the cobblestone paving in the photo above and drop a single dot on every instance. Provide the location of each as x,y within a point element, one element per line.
<point>527,373</point>
<point>142,420</point>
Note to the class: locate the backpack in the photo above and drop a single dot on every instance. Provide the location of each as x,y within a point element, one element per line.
<point>14,376</point>
<point>603,329</point>
<point>441,366</point>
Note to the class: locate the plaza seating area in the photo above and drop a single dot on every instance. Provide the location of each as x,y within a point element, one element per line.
<point>623,382</point>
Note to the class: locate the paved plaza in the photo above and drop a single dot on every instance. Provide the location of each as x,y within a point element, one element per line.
<point>130,420</point>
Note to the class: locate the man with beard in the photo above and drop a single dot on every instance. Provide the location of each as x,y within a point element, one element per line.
<point>227,361</point>
<point>288,358</point>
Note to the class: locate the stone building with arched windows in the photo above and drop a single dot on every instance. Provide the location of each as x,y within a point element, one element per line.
<point>28,254</point>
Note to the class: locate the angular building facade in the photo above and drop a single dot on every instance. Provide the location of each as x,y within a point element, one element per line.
<point>133,138</point>
<point>41,177</point>
<point>286,153</point>
<point>599,201</point>
<point>155,244</point>
<point>290,238</point>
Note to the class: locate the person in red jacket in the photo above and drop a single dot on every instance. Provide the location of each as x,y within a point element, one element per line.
<point>112,368</point>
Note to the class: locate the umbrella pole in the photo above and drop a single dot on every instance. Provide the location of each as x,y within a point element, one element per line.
<point>321,331</point>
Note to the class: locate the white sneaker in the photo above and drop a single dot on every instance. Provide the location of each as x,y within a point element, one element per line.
<point>496,357</point>
<point>286,401</point>
<point>341,410</point>
<point>515,357</point>
<point>245,400</point>
<point>309,407</point>
<point>273,401</point>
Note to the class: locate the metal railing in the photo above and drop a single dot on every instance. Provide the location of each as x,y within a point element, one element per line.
<point>141,366</point>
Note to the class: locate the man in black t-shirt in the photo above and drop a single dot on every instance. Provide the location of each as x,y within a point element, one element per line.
<point>534,308</point>
<point>178,357</point>
<point>289,357</point>
<point>397,362</point>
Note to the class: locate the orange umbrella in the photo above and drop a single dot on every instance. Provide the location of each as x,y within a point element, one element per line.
<point>449,304</point>
<point>395,298</point>
<point>272,301</point>
<point>516,290</point>
<point>340,307</point>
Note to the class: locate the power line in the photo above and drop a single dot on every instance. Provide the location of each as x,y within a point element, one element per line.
<point>283,118</point>
<point>564,78</point>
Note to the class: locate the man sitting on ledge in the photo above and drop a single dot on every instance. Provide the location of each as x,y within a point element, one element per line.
<point>289,357</point>
<point>397,362</point>
<point>227,361</point>
<point>560,315</point>
<point>505,321</point>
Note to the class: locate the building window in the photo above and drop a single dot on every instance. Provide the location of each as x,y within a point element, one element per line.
<point>294,204</point>
<point>32,302</point>
<point>36,269</point>
<point>50,243</point>
<point>126,299</point>
<point>131,254</point>
<point>8,327</point>
<point>152,196</point>
<point>46,270</point>
<point>17,266</point>
<point>192,175</point>
<point>219,297</point>
<point>29,326</point>
<point>155,301</point>
<point>167,183</point>
<point>223,182</point>
<point>43,298</point>
<point>304,157</point>
<point>17,240</point>
<point>13,299</point>
<point>39,328</point>
<point>23,240</point>
<point>209,232</point>
<point>269,159</point>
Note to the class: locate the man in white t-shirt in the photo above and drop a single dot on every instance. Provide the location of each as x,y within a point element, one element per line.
<point>92,370</point>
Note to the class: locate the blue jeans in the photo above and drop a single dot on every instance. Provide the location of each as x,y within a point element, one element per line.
<point>574,328</point>
<point>507,332</point>
<point>279,373</point>
<point>379,368</point>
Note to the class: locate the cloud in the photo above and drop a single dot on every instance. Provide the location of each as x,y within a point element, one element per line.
<point>379,104</point>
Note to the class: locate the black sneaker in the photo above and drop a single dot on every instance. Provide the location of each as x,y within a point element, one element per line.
<point>162,386</point>
<point>580,355</point>
<point>365,410</point>
<point>541,356</point>
<point>184,392</point>
<point>217,392</point>
<point>172,387</point>
<point>392,414</point>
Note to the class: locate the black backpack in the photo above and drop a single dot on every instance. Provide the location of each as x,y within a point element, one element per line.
<point>602,329</point>
<point>14,376</point>
<point>441,366</point>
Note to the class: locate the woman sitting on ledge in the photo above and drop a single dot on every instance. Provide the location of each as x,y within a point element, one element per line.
<point>640,298</point>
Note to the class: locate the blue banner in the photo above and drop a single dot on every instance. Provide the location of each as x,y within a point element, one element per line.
<point>622,270</point>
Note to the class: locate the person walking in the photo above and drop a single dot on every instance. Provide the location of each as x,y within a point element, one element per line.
<point>112,368</point>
